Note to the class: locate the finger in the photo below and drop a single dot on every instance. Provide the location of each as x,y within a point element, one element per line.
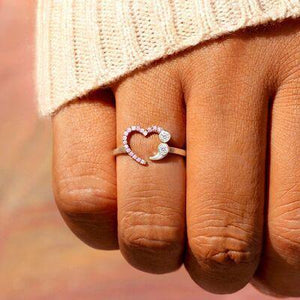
<point>279,271</point>
<point>226,138</point>
<point>151,199</point>
<point>84,169</point>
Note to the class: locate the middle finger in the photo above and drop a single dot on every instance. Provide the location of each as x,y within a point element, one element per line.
<point>226,142</point>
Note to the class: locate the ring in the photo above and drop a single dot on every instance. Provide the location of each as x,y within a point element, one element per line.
<point>163,148</point>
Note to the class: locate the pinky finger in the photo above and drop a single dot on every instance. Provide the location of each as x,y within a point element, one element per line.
<point>279,270</point>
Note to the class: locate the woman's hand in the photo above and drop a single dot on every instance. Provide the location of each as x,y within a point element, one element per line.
<point>233,210</point>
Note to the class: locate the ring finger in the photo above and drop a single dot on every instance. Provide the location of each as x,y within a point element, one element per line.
<point>151,198</point>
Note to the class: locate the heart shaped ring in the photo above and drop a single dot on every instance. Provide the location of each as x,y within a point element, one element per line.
<point>162,150</point>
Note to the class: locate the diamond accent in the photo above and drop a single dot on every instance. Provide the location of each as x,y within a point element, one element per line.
<point>164,136</point>
<point>163,149</point>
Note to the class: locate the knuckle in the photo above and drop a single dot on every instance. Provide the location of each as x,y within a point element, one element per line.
<point>150,230</point>
<point>76,198</point>
<point>90,213</point>
<point>142,241</point>
<point>152,203</point>
<point>226,247</point>
<point>225,234</point>
<point>222,258</point>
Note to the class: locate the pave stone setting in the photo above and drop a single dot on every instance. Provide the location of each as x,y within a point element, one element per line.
<point>164,136</point>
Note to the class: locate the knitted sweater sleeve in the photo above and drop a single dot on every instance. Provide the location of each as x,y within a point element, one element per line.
<point>86,44</point>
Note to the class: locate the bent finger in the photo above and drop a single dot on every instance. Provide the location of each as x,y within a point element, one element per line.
<point>84,176</point>
<point>151,199</point>
<point>226,140</point>
<point>279,271</point>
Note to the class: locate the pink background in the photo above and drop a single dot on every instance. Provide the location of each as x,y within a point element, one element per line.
<point>39,257</point>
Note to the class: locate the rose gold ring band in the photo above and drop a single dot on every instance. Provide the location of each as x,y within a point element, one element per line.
<point>172,150</point>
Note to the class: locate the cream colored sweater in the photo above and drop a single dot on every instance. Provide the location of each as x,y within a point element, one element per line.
<point>86,44</point>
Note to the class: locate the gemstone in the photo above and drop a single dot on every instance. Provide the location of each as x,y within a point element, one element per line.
<point>163,149</point>
<point>164,136</point>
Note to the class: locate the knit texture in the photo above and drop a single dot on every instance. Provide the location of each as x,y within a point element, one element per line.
<point>86,44</point>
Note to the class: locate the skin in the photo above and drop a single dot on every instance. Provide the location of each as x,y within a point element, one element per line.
<point>231,211</point>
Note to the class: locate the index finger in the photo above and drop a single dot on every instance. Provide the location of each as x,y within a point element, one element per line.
<point>84,175</point>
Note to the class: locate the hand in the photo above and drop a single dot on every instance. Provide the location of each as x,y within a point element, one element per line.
<point>235,104</point>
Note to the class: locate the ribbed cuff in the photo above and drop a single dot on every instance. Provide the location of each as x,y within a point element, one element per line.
<point>86,44</point>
